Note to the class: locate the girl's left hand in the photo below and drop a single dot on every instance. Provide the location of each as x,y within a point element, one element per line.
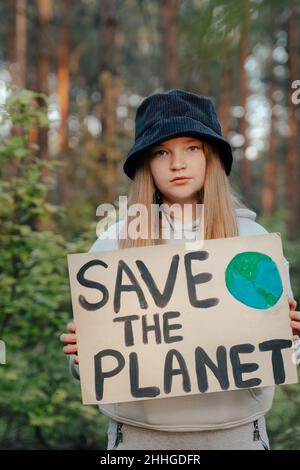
<point>295,318</point>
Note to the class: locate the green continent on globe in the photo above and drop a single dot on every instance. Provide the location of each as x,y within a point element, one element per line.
<point>254,279</point>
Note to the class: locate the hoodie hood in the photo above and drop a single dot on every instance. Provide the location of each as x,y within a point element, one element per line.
<point>245,213</point>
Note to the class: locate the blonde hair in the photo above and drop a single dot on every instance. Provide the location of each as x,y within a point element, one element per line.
<point>217,196</point>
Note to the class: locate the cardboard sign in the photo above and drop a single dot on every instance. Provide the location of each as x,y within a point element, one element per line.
<point>177,319</point>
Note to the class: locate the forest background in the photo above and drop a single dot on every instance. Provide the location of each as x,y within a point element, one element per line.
<point>72,74</point>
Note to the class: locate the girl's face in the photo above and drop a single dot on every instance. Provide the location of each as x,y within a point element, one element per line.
<point>178,169</point>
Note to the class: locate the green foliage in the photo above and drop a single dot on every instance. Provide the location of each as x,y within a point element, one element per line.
<point>40,404</point>
<point>283,419</point>
<point>291,248</point>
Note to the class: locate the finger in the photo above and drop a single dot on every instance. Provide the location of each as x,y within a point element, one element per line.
<point>71,327</point>
<point>76,360</point>
<point>296,327</point>
<point>295,315</point>
<point>292,303</point>
<point>68,338</point>
<point>70,349</point>
<point>295,338</point>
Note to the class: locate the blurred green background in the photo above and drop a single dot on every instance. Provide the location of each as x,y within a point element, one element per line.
<point>72,74</point>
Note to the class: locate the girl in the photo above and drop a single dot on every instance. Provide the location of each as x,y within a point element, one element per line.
<point>180,159</point>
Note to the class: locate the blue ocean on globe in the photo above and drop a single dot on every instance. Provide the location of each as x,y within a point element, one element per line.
<point>253,278</point>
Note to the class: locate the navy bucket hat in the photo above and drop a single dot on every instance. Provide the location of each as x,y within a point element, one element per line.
<point>176,113</point>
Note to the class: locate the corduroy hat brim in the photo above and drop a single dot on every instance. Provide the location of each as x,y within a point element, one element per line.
<point>176,126</point>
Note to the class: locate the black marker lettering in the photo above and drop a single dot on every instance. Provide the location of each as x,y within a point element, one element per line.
<point>220,370</point>
<point>156,328</point>
<point>137,391</point>
<point>128,332</point>
<point>133,287</point>
<point>160,299</point>
<point>166,327</point>
<point>92,285</point>
<point>193,280</point>
<point>169,372</point>
<point>275,345</point>
<point>100,375</point>
<point>238,368</point>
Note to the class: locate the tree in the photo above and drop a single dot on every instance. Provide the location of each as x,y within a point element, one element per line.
<point>63,84</point>
<point>44,18</point>
<point>292,157</point>
<point>110,85</point>
<point>63,72</point>
<point>169,48</point>
<point>269,189</point>
<point>245,168</point>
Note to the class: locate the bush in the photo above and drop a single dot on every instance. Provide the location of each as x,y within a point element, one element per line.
<point>40,404</point>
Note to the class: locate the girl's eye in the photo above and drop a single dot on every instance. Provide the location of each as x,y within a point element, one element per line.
<point>158,152</point>
<point>161,152</point>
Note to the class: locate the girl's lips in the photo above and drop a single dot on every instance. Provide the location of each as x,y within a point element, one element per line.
<point>180,180</point>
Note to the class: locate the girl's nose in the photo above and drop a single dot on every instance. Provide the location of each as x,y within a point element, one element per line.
<point>177,161</point>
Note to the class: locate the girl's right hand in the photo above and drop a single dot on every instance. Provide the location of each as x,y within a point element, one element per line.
<point>70,340</point>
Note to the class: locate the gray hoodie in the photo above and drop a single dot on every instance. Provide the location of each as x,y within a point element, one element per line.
<point>197,412</point>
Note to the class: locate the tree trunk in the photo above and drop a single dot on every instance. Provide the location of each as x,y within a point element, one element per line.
<point>270,167</point>
<point>225,95</point>
<point>16,52</point>
<point>110,51</point>
<point>11,33</point>
<point>169,57</point>
<point>245,168</point>
<point>63,74</point>
<point>16,56</point>
<point>110,84</point>
<point>21,42</point>
<point>44,18</point>
<point>292,163</point>
<point>204,79</point>
<point>63,83</point>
